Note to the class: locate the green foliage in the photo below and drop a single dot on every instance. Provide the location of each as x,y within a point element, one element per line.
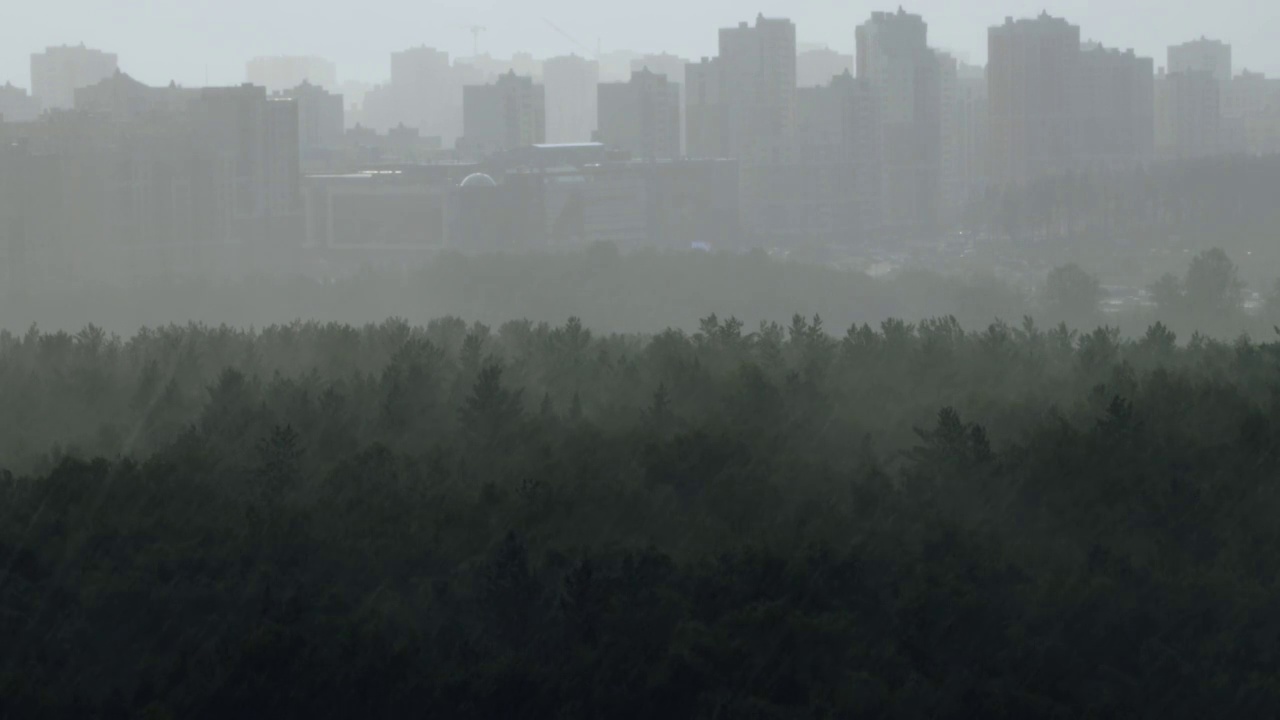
<point>1071,295</point>
<point>316,520</point>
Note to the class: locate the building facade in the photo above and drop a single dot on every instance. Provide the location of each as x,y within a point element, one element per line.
<point>1114,110</point>
<point>642,116</point>
<point>570,86</point>
<point>206,176</point>
<point>671,66</point>
<point>1188,115</point>
<point>122,99</point>
<point>1203,55</point>
<point>1032,65</point>
<point>757,69</point>
<point>16,105</point>
<point>895,59</point>
<point>321,121</point>
<point>704,112</point>
<point>58,72</point>
<point>507,114</point>
<point>829,191</point>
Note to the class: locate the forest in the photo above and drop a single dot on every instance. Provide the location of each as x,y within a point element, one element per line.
<point>911,519</point>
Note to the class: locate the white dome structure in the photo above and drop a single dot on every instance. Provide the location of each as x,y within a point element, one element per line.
<point>478,180</point>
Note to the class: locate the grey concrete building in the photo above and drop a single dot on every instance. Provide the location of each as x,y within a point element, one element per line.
<point>506,114</point>
<point>321,121</point>
<point>895,59</point>
<point>673,67</point>
<point>1203,55</point>
<point>1032,66</point>
<point>642,116</point>
<point>570,85</point>
<point>1188,115</point>
<point>16,105</point>
<point>57,72</point>
<point>1114,109</point>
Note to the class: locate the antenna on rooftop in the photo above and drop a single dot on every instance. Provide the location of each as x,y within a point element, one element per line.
<point>475,38</point>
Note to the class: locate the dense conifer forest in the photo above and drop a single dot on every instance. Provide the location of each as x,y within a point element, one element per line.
<point>531,520</point>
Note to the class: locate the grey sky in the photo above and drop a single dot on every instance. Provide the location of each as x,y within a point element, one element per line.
<point>191,40</point>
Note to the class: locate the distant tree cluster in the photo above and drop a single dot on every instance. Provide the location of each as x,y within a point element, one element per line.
<point>452,520</point>
<point>642,291</point>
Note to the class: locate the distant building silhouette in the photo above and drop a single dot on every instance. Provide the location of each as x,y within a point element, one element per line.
<point>1251,114</point>
<point>963,162</point>
<point>122,99</point>
<point>16,105</point>
<point>830,191</point>
<point>758,72</point>
<point>1032,65</point>
<point>642,116</point>
<point>570,82</point>
<point>139,177</point>
<point>742,103</point>
<point>895,58</point>
<point>1114,109</point>
<point>704,110</point>
<point>506,114</point>
<point>58,72</point>
<point>1191,96</point>
<point>425,93</point>
<point>672,66</point>
<point>282,72</point>
<point>1188,115</point>
<point>1203,55</point>
<point>258,138</point>
<point>320,118</point>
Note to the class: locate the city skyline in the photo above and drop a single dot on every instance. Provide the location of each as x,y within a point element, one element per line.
<point>199,44</point>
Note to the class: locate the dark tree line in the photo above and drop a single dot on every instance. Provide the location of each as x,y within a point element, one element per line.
<point>913,520</point>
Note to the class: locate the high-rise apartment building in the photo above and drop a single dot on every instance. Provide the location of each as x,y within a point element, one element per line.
<point>705,116</point>
<point>642,116</point>
<point>257,140</point>
<point>895,59</point>
<point>16,105</point>
<point>504,115</point>
<point>1203,55</point>
<point>1251,114</point>
<point>283,72</point>
<point>58,72</point>
<point>672,66</point>
<point>1114,109</point>
<point>830,193</point>
<point>570,84</point>
<point>424,93</point>
<point>964,133</point>
<point>757,67</point>
<point>321,121</point>
<point>154,174</point>
<point>1188,115</point>
<point>1032,66</point>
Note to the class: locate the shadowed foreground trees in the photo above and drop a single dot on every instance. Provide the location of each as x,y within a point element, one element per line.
<point>535,521</point>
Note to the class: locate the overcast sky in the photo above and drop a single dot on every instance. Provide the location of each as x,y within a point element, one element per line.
<point>194,40</point>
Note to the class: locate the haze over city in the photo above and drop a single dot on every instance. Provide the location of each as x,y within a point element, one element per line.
<point>191,42</point>
<point>577,360</point>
